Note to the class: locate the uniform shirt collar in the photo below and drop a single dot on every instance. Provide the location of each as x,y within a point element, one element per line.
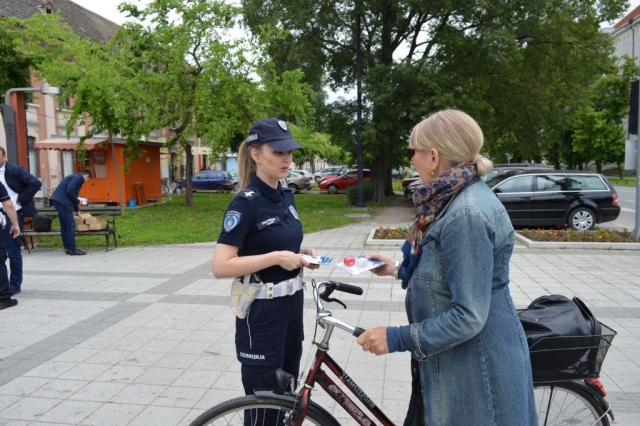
<point>273,194</point>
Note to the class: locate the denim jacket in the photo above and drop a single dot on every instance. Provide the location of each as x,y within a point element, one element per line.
<point>464,330</point>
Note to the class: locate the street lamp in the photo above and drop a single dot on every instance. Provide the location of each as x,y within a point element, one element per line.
<point>526,38</point>
<point>14,119</point>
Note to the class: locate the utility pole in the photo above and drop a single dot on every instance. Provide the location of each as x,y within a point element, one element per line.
<point>360,201</point>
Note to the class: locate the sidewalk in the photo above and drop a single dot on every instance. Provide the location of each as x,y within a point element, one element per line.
<point>143,336</point>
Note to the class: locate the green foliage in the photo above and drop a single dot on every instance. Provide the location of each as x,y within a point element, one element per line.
<point>367,193</point>
<point>13,64</point>
<point>420,57</point>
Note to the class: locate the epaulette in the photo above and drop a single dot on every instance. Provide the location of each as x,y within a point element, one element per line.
<point>249,193</point>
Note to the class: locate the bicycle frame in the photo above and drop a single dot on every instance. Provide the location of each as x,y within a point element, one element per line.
<point>318,375</point>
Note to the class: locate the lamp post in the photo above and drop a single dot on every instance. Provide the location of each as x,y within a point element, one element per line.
<point>14,119</point>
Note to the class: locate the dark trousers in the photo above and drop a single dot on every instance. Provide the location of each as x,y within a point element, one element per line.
<point>14,252</point>
<point>269,338</point>
<point>5,291</point>
<point>67,226</point>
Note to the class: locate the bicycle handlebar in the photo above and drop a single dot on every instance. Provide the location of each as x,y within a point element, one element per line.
<point>324,316</point>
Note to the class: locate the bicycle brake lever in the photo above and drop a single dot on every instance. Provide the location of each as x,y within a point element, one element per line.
<point>331,299</point>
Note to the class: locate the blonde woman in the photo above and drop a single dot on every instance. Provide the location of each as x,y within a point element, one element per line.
<point>470,359</point>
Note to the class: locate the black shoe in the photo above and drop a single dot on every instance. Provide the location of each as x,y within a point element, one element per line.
<point>7,303</point>
<point>76,252</point>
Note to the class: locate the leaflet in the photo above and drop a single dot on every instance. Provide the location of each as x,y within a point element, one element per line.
<point>320,260</point>
<point>355,269</point>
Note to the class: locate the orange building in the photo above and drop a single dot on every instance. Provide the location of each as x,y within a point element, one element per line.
<point>103,188</point>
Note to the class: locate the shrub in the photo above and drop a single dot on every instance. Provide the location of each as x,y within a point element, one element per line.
<point>352,193</point>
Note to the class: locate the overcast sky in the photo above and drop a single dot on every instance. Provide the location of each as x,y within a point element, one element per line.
<point>108,8</point>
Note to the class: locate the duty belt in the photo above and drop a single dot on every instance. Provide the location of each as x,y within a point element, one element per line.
<point>283,288</point>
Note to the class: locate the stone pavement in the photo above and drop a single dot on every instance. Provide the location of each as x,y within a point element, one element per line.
<point>144,336</point>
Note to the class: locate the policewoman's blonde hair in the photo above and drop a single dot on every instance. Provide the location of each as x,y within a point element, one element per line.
<point>246,164</point>
<point>455,135</point>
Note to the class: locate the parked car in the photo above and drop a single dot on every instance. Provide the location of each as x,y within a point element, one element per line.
<point>296,181</point>
<point>306,173</point>
<point>211,179</point>
<point>413,176</point>
<point>500,168</point>
<point>397,173</point>
<point>333,170</point>
<point>343,182</point>
<point>576,199</point>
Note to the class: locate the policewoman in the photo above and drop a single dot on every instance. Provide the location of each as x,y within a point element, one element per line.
<point>259,246</point>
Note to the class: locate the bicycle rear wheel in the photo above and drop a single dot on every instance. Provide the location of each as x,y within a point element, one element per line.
<point>568,404</point>
<point>233,412</point>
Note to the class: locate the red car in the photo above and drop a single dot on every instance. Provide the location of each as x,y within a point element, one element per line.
<point>414,176</point>
<point>341,183</point>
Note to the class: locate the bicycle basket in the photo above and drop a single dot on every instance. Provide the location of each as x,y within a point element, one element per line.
<point>572,357</point>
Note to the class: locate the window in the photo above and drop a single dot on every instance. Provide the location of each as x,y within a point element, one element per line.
<point>516,184</point>
<point>199,176</point>
<point>587,182</point>
<point>552,183</point>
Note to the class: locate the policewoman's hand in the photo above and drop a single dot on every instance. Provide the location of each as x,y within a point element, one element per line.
<point>374,340</point>
<point>289,260</point>
<point>311,252</point>
<point>389,267</point>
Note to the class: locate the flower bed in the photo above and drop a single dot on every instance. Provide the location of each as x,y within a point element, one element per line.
<point>552,235</point>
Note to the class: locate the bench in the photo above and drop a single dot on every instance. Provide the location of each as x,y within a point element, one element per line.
<point>108,231</point>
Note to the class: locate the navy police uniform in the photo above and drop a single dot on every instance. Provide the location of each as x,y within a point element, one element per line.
<point>5,290</point>
<point>260,220</point>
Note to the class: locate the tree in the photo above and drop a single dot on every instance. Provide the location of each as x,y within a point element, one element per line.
<point>13,64</point>
<point>100,84</point>
<point>419,57</point>
<point>599,135</point>
<point>202,83</point>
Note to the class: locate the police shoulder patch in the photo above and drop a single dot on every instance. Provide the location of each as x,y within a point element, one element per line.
<point>249,193</point>
<point>231,220</point>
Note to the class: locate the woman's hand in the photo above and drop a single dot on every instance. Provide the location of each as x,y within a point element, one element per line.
<point>389,267</point>
<point>311,252</point>
<point>374,340</point>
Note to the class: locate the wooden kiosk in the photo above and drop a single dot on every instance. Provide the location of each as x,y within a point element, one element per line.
<point>141,183</point>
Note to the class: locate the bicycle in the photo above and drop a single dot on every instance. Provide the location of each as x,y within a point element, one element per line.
<point>560,402</point>
<point>171,187</point>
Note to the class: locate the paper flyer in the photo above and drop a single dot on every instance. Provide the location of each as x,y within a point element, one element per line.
<point>320,260</point>
<point>355,269</point>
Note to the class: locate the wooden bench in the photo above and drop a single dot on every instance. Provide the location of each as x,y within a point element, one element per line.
<point>108,231</point>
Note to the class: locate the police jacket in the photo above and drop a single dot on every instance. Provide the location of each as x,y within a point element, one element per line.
<point>25,185</point>
<point>67,191</point>
<point>261,219</point>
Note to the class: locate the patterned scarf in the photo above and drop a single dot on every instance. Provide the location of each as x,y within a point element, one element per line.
<point>431,197</point>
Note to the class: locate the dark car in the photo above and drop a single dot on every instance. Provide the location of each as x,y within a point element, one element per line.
<point>576,199</point>
<point>411,188</point>
<point>343,182</point>
<point>397,173</point>
<point>211,179</point>
<point>499,169</point>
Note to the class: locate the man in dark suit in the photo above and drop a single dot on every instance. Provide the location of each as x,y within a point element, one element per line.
<point>65,201</point>
<point>21,187</point>
<point>14,231</point>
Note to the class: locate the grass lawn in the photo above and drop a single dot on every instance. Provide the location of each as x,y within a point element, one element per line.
<point>173,223</point>
<point>629,181</point>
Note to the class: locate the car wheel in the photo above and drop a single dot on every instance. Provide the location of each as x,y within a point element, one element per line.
<point>317,178</point>
<point>582,219</point>
<point>293,187</point>
<point>333,189</point>
<point>219,188</point>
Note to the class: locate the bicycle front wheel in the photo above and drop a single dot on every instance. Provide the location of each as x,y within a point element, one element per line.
<point>568,404</point>
<point>251,410</point>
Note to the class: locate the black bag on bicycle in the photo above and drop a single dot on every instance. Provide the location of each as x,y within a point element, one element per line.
<point>560,333</point>
<point>41,223</point>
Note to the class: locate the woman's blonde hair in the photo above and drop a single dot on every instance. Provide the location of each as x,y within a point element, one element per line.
<point>455,135</point>
<point>246,164</point>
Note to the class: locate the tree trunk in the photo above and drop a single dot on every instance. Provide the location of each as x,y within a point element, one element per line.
<point>189,171</point>
<point>118,180</point>
<point>599,166</point>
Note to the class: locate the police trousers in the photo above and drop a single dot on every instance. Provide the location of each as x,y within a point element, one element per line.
<point>270,337</point>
